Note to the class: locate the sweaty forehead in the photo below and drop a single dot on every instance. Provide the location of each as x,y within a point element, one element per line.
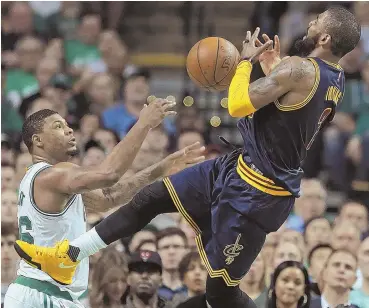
<point>53,118</point>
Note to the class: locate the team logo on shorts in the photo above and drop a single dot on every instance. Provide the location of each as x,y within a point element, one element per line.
<point>232,251</point>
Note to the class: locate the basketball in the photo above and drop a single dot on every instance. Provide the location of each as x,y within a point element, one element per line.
<point>212,62</point>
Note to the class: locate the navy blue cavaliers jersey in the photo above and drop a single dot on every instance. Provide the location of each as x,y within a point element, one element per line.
<point>277,138</point>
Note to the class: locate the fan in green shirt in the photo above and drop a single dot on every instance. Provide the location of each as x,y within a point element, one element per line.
<point>83,52</point>
<point>21,82</point>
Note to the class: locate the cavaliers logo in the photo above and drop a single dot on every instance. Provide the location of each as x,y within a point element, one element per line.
<point>232,251</point>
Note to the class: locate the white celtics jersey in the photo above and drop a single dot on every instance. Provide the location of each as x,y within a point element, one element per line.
<point>44,229</point>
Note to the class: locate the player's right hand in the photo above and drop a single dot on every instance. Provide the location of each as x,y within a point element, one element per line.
<point>154,113</point>
<point>271,57</point>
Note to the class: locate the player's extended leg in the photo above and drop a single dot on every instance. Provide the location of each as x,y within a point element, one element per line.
<point>60,262</point>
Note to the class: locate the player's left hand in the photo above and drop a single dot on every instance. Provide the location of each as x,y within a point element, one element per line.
<point>250,51</point>
<point>184,158</point>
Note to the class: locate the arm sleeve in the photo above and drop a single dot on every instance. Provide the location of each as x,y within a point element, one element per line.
<point>239,103</point>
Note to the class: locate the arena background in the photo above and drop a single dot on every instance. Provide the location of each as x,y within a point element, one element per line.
<point>96,63</point>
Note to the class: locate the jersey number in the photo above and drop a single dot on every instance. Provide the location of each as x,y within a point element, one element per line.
<point>326,112</point>
<point>25,224</point>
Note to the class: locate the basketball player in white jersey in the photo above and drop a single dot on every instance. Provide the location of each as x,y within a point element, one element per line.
<point>54,193</point>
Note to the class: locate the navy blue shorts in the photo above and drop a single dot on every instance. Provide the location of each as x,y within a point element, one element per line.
<point>230,216</point>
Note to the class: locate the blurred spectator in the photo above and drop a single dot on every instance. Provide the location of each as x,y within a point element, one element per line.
<point>356,213</point>
<point>290,286</point>
<point>360,297</point>
<point>253,283</point>
<point>39,104</point>
<point>292,236</point>
<point>139,237</point>
<point>108,280</point>
<point>190,233</point>
<point>8,177</point>
<point>144,279</point>
<point>189,119</point>
<point>83,53</point>
<point>107,138</point>
<point>311,203</point>
<point>346,235</point>
<point>46,70</point>
<point>317,231</point>
<point>268,250</point>
<point>64,23</point>
<point>94,154</point>
<point>18,22</point>
<point>338,277</point>
<point>9,208</point>
<point>193,274</point>
<point>21,82</point>
<point>9,257</point>
<point>153,149</point>
<point>89,124</point>
<point>121,118</point>
<point>187,138</point>
<point>147,245</point>
<point>7,152</point>
<point>172,246</point>
<point>102,93</point>
<point>287,251</point>
<point>317,259</point>
<point>24,160</point>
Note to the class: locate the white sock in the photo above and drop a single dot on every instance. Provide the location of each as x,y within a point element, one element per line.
<point>89,243</point>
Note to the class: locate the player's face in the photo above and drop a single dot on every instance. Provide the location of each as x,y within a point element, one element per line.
<point>313,36</point>
<point>290,286</point>
<point>340,271</point>
<point>57,139</point>
<point>195,277</point>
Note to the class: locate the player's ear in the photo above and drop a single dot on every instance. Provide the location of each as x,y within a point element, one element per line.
<point>325,40</point>
<point>36,140</point>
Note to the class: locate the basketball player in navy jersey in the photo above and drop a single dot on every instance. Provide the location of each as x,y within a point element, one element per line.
<point>234,201</point>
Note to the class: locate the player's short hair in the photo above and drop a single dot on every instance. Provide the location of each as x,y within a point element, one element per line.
<point>34,125</point>
<point>171,231</point>
<point>184,265</point>
<point>344,29</point>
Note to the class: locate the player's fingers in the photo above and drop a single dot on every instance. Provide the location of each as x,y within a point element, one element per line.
<point>266,37</point>
<point>261,49</point>
<point>277,44</point>
<point>192,147</point>
<point>195,153</point>
<point>194,161</point>
<point>168,105</point>
<point>248,37</point>
<point>258,43</point>
<point>256,34</point>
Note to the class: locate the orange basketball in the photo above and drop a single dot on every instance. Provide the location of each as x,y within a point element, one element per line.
<point>211,63</point>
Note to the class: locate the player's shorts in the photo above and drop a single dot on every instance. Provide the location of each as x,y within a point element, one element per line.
<point>230,213</point>
<point>31,293</point>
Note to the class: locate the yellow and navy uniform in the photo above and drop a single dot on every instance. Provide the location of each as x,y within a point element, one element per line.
<point>234,201</point>
<point>277,138</point>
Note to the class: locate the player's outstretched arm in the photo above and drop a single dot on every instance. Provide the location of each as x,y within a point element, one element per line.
<point>69,179</point>
<point>104,199</point>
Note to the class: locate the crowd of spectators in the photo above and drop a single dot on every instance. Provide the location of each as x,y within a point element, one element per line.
<point>70,57</point>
